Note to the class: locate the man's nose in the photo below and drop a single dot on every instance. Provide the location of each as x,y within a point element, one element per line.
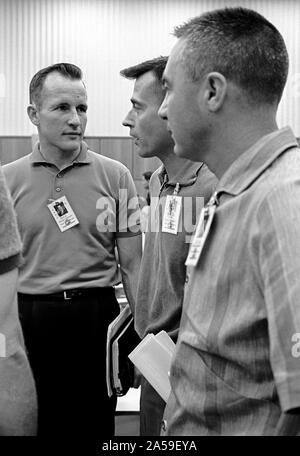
<point>162,112</point>
<point>128,122</point>
<point>74,118</point>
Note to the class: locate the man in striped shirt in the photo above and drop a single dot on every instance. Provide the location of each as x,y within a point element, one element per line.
<point>162,273</point>
<point>236,370</point>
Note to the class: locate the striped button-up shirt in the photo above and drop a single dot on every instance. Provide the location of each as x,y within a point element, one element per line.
<point>236,369</point>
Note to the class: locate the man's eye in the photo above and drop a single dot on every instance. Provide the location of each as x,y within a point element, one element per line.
<point>62,107</point>
<point>82,108</point>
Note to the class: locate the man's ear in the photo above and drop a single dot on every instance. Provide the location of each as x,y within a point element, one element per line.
<point>215,91</point>
<point>33,114</point>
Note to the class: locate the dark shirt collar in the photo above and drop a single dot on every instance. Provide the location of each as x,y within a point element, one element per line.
<point>37,158</point>
<point>187,175</point>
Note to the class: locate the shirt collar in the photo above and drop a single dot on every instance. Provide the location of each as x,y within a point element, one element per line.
<point>83,157</point>
<point>252,163</point>
<point>187,175</point>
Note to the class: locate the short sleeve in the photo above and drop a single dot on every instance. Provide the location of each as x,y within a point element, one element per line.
<point>10,243</point>
<point>128,210</point>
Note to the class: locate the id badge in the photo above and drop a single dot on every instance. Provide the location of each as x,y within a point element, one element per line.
<point>201,233</point>
<point>63,214</point>
<point>171,214</point>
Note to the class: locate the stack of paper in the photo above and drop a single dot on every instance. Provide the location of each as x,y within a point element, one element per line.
<point>153,358</point>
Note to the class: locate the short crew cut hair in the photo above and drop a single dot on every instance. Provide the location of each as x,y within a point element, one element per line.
<point>68,70</point>
<point>240,44</point>
<point>157,66</point>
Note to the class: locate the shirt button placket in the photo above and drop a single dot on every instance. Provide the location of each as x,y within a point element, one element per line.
<point>58,184</point>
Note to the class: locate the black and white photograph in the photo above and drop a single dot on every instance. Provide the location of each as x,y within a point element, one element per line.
<point>60,209</point>
<point>149,223</point>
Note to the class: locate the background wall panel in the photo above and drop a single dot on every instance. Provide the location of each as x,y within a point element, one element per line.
<point>12,148</point>
<point>104,36</point>
<point>93,143</point>
<point>118,148</point>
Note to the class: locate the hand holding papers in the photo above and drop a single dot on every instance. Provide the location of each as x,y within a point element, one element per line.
<point>153,358</point>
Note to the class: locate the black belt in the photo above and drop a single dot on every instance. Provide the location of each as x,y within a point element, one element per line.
<point>65,295</point>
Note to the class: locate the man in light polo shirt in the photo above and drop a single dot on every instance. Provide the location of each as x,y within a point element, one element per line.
<point>66,294</point>
<point>163,273</point>
<point>18,406</point>
<point>236,369</point>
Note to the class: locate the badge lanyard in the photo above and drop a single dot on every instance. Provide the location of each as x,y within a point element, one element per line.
<point>172,212</point>
<point>202,230</point>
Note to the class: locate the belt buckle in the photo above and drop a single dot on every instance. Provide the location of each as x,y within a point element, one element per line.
<point>66,298</point>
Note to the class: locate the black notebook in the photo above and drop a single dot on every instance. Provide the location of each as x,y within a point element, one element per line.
<point>121,340</point>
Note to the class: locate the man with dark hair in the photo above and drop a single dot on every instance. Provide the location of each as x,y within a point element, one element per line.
<point>67,70</point>
<point>163,273</point>
<point>66,294</point>
<point>236,367</point>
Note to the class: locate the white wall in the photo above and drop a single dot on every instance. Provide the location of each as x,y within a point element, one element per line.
<point>104,36</point>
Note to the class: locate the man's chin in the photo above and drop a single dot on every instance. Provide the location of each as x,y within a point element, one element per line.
<point>72,146</point>
<point>181,151</point>
<point>143,153</point>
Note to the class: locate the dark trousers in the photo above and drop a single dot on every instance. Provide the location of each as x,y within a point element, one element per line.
<point>152,408</point>
<point>66,344</point>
